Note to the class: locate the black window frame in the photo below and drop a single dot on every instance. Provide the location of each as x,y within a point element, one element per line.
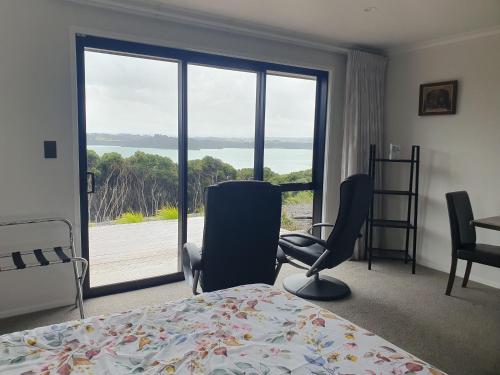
<point>183,58</point>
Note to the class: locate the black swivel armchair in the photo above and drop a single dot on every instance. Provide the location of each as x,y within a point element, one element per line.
<point>240,238</point>
<point>463,239</point>
<point>355,197</point>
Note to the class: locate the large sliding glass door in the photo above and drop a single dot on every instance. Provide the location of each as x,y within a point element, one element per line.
<point>158,125</point>
<point>131,105</point>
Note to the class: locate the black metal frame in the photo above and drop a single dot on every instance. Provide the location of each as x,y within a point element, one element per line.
<point>183,58</point>
<point>411,194</point>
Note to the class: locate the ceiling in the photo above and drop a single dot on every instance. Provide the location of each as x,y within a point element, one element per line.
<point>377,24</point>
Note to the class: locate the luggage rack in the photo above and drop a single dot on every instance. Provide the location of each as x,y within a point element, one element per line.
<point>48,256</point>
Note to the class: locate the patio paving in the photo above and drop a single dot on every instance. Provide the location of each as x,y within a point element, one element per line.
<point>125,252</point>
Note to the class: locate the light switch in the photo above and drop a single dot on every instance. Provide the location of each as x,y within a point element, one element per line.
<point>50,149</point>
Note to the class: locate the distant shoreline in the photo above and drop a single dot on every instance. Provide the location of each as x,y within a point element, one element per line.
<point>196,143</point>
<point>283,147</point>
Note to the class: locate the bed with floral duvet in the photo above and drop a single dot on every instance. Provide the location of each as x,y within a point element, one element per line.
<point>253,329</point>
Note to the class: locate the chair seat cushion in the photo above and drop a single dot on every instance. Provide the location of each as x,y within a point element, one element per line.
<point>304,250</point>
<point>481,253</point>
<point>298,241</point>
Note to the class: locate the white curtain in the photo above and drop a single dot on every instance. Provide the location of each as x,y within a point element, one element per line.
<point>363,117</point>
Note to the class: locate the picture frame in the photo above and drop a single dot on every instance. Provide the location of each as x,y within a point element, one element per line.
<point>438,98</point>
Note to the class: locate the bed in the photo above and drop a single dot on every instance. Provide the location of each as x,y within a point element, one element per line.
<point>253,329</point>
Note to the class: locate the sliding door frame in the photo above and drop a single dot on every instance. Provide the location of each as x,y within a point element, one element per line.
<point>184,58</point>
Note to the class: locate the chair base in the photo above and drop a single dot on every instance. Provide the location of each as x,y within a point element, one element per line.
<point>321,288</point>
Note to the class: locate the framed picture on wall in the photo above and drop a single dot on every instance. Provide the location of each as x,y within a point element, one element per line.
<point>438,98</point>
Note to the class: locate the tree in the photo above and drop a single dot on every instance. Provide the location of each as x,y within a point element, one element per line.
<point>205,172</point>
<point>144,183</point>
<point>244,174</point>
<point>155,182</point>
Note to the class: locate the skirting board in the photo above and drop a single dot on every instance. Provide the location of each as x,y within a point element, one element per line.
<point>460,272</point>
<point>36,308</point>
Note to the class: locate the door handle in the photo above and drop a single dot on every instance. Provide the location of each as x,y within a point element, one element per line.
<point>92,182</point>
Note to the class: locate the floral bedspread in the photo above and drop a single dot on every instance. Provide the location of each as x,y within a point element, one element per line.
<point>253,329</point>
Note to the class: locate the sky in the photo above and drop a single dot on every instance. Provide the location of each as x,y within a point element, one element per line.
<point>134,95</point>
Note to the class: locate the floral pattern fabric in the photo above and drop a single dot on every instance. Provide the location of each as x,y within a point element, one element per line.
<point>253,329</point>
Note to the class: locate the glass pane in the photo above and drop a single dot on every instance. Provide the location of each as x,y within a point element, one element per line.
<point>221,131</point>
<point>297,210</point>
<point>131,117</point>
<point>290,110</point>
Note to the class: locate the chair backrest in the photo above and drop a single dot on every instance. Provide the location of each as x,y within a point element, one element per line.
<point>240,238</point>
<point>463,234</point>
<point>355,197</point>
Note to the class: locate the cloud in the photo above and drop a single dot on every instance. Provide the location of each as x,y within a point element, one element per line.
<point>126,94</point>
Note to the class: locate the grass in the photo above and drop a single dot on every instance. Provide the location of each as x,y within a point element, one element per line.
<point>168,213</point>
<point>299,197</point>
<point>172,213</point>
<point>130,217</point>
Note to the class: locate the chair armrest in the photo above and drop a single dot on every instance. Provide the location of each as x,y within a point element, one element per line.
<point>281,256</point>
<point>319,225</point>
<point>194,254</point>
<point>307,237</point>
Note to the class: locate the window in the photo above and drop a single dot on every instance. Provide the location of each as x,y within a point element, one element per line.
<point>288,146</point>
<point>214,118</point>
<point>289,127</point>
<point>221,131</point>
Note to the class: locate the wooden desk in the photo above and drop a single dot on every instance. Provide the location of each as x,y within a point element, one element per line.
<point>488,223</point>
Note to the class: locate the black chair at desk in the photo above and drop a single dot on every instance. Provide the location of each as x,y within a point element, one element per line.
<point>463,239</point>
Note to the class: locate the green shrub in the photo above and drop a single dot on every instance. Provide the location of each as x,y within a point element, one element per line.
<point>305,196</point>
<point>288,223</point>
<point>168,213</point>
<point>130,217</point>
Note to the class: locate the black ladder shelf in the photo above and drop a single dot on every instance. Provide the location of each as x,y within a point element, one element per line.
<point>409,225</point>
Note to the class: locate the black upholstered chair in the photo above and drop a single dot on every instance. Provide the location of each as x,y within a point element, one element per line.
<point>240,238</point>
<point>355,196</point>
<point>463,239</point>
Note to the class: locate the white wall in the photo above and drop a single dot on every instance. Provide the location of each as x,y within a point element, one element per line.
<point>459,151</point>
<point>37,102</point>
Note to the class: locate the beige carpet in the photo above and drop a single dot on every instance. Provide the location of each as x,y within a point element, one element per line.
<point>459,334</point>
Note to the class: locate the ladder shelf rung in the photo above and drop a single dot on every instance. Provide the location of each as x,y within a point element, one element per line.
<point>394,160</point>
<point>391,223</point>
<point>381,249</point>
<point>393,192</point>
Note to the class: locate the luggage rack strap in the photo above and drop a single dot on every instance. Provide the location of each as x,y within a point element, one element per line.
<point>18,260</point>
<point>40,257</point>
<point>60,253</point>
